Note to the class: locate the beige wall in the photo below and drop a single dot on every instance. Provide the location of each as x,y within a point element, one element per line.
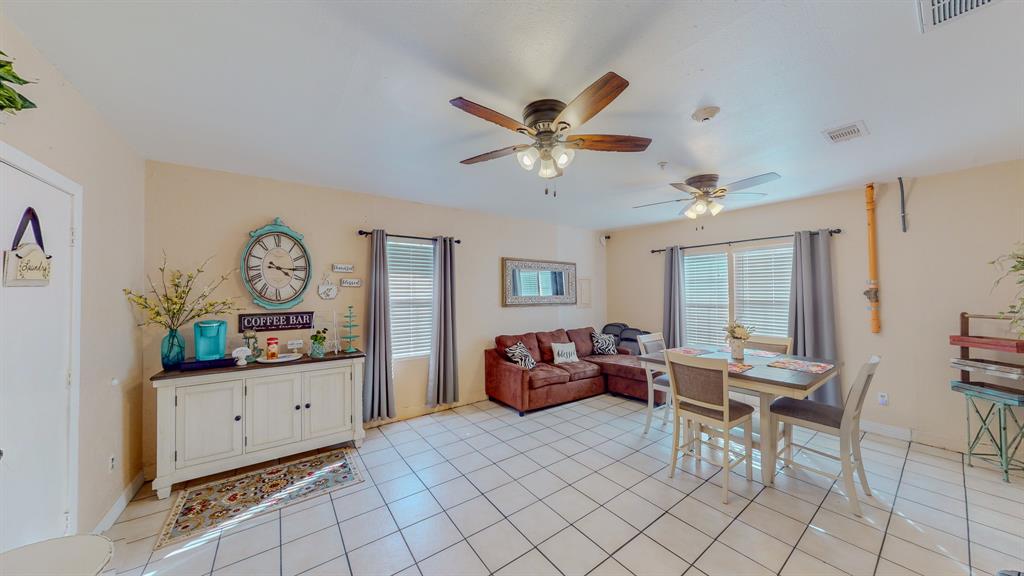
<point>958,222</point>
<point>193,213</point>
<point>69,136</point>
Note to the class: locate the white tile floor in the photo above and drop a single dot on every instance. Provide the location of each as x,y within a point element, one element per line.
<point>577,489</point>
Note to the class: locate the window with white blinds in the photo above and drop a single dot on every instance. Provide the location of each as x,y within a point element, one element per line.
<point>748,285</point>
<point>705,298</point>
<point>536,283</point>
<point>411,294</point>
<point>761,279</point>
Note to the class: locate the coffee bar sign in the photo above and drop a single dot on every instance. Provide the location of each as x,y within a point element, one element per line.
<point>266,321</point>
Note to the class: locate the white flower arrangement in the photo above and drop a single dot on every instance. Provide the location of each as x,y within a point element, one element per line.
<point>737,331</point>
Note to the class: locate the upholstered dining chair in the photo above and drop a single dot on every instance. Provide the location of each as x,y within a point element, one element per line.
<point>770,344</point>
<point>700,387</point>
<point>652,343</point>
<point>843,422</point>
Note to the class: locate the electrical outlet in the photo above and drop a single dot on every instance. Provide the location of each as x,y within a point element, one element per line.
<point>113,460</point>
<point>883,398</point>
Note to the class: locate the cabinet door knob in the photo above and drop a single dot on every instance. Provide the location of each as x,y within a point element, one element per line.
<point>307,404</point>
<point>297,407</point>
<point>237,418</point>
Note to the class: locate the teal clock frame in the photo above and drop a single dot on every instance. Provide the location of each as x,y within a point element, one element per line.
<point>276,226</point>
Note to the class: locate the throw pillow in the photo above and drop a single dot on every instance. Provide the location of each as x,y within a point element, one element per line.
<point>564,353</point>
<point>520,355</point>
<point>603,343</point>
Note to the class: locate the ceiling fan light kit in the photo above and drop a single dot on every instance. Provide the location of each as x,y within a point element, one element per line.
<point>548,121</point>
<point>705,193</point>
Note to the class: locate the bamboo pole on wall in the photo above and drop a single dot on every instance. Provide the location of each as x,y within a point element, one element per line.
<point>872,292</point>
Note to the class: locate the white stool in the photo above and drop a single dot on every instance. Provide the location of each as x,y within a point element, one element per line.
<point>81,555</point>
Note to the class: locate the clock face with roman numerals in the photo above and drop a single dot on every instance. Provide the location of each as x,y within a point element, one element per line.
<point>276,266</point>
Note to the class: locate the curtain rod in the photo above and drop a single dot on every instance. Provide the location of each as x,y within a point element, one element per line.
<point>831,232</point>
<point>367,233</point>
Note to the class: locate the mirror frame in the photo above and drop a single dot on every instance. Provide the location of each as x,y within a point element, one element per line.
<point>508,265</point>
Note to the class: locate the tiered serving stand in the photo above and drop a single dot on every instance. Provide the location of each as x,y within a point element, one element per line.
<point>993,402</point>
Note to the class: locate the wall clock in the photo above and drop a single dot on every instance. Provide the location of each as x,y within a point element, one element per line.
<point>276,266</point>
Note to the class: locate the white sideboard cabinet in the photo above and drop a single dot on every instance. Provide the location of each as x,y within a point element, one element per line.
<point>209,421</point>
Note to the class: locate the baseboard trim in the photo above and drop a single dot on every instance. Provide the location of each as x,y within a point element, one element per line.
<point>888,430</point>
<point>119,505</point>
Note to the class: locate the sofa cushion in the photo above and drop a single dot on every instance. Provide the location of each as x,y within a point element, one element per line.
<point>581,338</point>
<point>580,370</point>
<point>544,340</point>
<point>546,375</point>
<point>529,339</point>
<point>620,365</point>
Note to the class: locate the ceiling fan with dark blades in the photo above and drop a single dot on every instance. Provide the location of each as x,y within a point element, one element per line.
<point>705,193</point>
<point>548,122</point>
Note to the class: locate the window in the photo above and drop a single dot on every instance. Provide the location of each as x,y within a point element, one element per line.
<point>411,295</point>
<point>755,293</point>
<point>761,279</point>
<point>706,298</point>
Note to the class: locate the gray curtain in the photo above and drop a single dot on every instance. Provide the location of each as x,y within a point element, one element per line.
<point>378,383</point>
<point>672,323</point>
<point>812,317</point>
<point>443,381</point>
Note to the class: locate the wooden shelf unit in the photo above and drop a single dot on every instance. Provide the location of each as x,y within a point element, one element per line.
<point>1000,399</point>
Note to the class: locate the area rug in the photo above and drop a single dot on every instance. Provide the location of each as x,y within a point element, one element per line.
<point>223,503</point>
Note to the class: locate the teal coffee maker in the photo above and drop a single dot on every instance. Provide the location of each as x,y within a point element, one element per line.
<point>211,339</point>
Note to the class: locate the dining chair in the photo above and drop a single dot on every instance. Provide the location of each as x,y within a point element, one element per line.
<point>770,344</point>
<point>843,422</point>
<point>653,343</point>
<point>700,388</point>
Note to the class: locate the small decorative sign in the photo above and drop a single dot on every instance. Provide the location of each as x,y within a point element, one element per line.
<point>343,268</point>
<point>267,321</point>
<point>326,289</point>
<point>26,263</point>
<point>351,282</point>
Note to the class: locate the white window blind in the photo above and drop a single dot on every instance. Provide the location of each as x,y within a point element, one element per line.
<point>705,298</point>
<point>411,294</point>
<point>761,282</point>
<point>536,283</point>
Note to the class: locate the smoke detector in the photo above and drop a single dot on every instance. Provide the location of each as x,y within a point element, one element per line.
<point>702,115</point>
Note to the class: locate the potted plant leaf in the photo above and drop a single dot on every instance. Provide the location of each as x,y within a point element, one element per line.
<point>1013,264</point>
<point>11,101</point>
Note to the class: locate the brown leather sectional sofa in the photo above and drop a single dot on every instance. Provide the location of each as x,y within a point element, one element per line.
<point>548,384</point>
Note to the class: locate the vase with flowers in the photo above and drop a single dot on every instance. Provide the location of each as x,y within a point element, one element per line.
<point>736,335</point>
<point>1009,265</point>
<point>318,346</point>
<point>172,304</point>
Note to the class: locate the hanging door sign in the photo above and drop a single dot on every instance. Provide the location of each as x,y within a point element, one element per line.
<point>26,263</point>
<point>268,321</point>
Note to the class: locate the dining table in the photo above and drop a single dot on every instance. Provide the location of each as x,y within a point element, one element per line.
<point>765,382</point>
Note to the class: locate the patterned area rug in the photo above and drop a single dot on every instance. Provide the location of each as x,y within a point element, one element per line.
<point>222,503</point>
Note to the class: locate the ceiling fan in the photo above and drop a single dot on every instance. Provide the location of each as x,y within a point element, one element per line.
<point>548,121</point>
<point>705,193</point>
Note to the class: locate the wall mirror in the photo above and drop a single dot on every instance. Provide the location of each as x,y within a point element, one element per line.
<point>537,282</point>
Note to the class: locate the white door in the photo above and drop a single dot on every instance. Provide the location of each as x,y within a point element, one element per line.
<point>208,423</point>
<point>328,396</point>
<point>273,411</point>
<point>35,368</point>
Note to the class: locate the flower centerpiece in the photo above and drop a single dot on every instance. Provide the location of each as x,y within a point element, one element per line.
<point>319,340</point>
<point>1010,264</point>
<point>172,304</point>
<point>736,335</point>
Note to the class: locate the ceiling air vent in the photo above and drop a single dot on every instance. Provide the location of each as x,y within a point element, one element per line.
<point>844,133</point>
<point>934,13</point>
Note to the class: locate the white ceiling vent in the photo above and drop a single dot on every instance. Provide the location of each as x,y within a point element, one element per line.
<point>934,13</point>
<point>847,132</point>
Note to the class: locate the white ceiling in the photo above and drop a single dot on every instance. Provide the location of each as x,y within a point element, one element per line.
<point>355,95</point>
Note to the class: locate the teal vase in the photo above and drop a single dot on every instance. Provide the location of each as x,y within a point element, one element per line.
<point>317,349</point>
<point>172,350</point>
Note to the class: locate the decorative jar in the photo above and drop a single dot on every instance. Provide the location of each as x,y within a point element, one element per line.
<point>736,347</point>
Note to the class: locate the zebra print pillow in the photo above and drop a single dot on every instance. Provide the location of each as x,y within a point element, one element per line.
<point>603,343</point>
<point>520,355</point>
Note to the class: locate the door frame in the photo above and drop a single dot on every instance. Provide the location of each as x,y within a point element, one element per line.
<point>24,163</point>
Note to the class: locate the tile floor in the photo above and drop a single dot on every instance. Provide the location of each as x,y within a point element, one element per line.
<point>577,489</point>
